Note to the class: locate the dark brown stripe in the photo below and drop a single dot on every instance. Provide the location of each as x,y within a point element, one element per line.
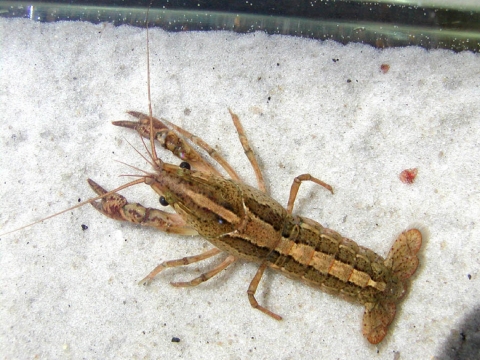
<point>263,207</point>
<point>239,246</point>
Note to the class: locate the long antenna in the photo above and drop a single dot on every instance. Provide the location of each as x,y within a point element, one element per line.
<point>89,201</point>
<point>158,163</point>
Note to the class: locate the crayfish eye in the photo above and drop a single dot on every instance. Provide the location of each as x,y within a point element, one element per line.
<point>185,165</point>
<point>163,201</point>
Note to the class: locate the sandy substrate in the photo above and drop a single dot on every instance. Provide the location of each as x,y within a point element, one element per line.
<point>307,106</point>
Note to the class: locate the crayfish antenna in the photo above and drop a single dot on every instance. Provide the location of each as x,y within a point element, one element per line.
<point>158,163</point>
<point>89,201</point>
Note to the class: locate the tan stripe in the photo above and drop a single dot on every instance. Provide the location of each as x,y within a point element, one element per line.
<point>322,262</point>
<point>359,278</point>
<point>341,270</point>
<point>327,264</point>
<point>259,232</point>
<point>377,285</point>
<point>205,202</point>
<point>302,253</point>
<point>284,246</point>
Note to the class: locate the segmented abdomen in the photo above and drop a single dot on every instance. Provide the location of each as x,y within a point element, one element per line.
<point>324,259</point>
<point>303,249</point>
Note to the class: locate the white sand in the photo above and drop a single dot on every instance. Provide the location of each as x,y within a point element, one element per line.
<point>68,293</point>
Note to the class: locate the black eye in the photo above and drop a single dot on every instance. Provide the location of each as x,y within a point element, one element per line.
<point>163,201</point>
<point>185,165</point>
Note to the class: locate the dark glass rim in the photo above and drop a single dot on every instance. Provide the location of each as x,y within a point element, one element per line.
<point>380,24</point>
